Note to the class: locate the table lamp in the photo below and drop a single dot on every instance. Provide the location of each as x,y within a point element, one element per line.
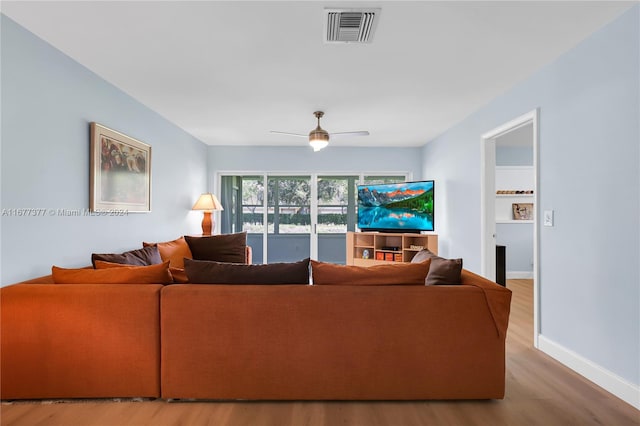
<point>207,203</point>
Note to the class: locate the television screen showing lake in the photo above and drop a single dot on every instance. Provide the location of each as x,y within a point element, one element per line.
<point>383,218</point>
<point>398,206</point>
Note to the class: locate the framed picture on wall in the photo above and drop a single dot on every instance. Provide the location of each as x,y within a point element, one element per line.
<point>522,211</point>
<point>120,172</point>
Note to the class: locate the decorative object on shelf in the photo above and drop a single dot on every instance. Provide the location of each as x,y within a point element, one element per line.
<point>522,211</point>
<point>120,172</point>
<point>365,254</point>
<point>379,255</point>
<point>415,247</point>
<point>514,192</point>
<point>207,203</point>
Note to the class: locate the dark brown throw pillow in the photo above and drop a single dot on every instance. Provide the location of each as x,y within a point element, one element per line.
<point>442,271</point>
<point>210,272</point>
<point>230,248</point>
<point>141,257</point>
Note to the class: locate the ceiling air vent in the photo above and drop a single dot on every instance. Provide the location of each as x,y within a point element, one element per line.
<point>350,25</point>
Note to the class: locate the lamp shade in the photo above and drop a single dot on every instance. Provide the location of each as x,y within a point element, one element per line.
<point>207,202</point>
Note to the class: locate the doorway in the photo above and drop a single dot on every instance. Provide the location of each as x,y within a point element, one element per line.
<point>509,197</point>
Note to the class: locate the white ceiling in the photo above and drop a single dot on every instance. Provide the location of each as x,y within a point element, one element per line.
<point>229,72</point>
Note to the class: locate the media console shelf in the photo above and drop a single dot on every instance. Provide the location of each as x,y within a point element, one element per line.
<point>383,248</point>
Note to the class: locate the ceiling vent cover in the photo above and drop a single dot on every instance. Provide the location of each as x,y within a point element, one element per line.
<point>350,25</point>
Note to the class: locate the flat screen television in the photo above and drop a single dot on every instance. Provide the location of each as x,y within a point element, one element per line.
<point>396,207</point>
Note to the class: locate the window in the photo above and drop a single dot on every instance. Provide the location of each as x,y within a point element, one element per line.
<point>253,204</point>
<point>275,211</point>
<point>336,204</point>
<point>289,205</point>
<point>374,180</point>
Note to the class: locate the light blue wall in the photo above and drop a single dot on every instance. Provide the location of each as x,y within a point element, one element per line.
<point>302,159</point>
<point>518,240</point>
<point>48,101</point>
<point>589,158</point>
<point>514,156</point>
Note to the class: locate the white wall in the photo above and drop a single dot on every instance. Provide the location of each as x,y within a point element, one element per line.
<point>589,102</point>
<point>48,101</point>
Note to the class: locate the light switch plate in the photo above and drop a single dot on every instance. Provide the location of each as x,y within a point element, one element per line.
<point>548,218</point>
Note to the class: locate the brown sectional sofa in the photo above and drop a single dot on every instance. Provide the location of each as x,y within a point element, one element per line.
<point>79,341</point>
<point>286,342</point>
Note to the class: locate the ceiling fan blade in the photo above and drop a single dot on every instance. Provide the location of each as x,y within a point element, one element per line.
<point>343,134</point>
<point>289,134</point>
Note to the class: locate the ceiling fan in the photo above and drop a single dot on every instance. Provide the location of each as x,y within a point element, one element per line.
<point>318,137</point>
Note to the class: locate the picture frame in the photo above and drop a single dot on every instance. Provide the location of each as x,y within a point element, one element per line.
<point>120,178</point>
<point>522,211</point>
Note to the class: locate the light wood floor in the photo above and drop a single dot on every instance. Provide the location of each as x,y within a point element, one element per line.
<point>540,391</point>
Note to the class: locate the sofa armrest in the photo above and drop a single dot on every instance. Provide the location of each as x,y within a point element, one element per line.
<point>498,299</point>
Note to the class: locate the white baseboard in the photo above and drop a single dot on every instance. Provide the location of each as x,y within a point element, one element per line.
<point>519,275</point>
<point>611,382</point>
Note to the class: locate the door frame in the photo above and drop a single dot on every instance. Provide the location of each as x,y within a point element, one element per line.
<point>487,208</point>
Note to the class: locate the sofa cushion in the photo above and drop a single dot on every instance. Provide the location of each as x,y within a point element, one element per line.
<point>220,248</point>
<point>173,251</point>
<point>140,257</point>
<point>113,273</point>
<point>324,273</point>
<point>443,271</point>
<point>211,272</point>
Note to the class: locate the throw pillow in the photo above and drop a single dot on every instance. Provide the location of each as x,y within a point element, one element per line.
<point>443,271</point>
<point>113,273</point>
<point>173,251</point>
<point>140,257</point>
<point>220,248</point>
<point>179,275</point>
<point>210,272</point>
<point>393,274</point>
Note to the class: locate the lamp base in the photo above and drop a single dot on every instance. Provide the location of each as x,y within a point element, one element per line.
<point>207,224</point>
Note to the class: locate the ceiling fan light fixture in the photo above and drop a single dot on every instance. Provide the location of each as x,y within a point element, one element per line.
<point>318,144</point>
<point>318,137</point>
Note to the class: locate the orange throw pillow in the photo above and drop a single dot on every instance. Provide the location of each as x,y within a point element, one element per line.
<point>177,275</point>
<point>174,251</point>
<point>113,273</point>
<point>393,274</point>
